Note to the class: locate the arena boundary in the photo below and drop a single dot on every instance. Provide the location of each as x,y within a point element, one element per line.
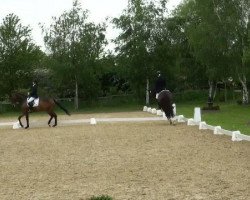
<point>16,125</point>
<point>217,130</point>
<point>196,121</point>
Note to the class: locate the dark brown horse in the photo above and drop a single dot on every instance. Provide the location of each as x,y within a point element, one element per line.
<point>165,102</point>
<point>46,105</point>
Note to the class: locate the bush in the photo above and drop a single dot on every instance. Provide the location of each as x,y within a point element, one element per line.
<point>103,197</point>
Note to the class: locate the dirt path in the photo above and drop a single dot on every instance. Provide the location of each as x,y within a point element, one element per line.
<point>123,160</point>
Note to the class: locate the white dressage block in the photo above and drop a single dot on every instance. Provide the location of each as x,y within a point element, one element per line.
<point>153,111</point>
<point>16,125</point>
<point>191,122</point>
<point>181,118</point>
<point>197,114</point>
<point>217,130</point>
<point>164,115</point>
<point>93,121</point>
<point>174,109</point>
<point>159,113</point>
<point>236,136</point>
<point>149,109</point>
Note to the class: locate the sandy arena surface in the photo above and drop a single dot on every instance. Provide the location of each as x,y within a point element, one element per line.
<point>137,161</point>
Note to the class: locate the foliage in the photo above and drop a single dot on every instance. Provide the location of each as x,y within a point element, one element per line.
<point>217,32</point>
<point>102,197</point>
<point>76,45</point>
<point>18,55</point>
<point>135,43</point>
<point>198,45</point>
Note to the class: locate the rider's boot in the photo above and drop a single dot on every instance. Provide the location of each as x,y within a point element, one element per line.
<point>30,106</point>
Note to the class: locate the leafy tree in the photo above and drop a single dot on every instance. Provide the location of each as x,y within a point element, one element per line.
<point>76,45</point>
<point>18,55</point>
<point>135,43</point>
<point>173,55</point>
<point>217,32</point>
<point>239,27</point>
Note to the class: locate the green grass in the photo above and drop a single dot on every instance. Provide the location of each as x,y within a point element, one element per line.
<point>230,116</point>
<point>103,197</point>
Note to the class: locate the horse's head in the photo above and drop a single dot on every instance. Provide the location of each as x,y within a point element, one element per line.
<point>17,98</point>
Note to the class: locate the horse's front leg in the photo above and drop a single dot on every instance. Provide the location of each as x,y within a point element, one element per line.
<point>51,117</point>
<point>19,119</point>
<point>27,120</point>
<point>55,117</point>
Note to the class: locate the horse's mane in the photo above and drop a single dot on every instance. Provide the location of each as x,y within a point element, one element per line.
<point>20,94</point>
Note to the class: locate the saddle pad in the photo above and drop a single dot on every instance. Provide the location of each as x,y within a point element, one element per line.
<point>36,102</point>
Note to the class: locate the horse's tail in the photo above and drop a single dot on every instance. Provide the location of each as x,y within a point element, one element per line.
<point>60,106</point>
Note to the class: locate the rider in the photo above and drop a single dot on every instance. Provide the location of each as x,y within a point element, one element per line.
<point>32,95</point>
<point>160,84</point>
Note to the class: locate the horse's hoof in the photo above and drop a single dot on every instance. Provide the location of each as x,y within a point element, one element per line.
<point>54,125</point>
<point>26,127</point>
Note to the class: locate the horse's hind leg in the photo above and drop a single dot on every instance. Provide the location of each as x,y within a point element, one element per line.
<point>55,117</point>
<point>19,119</point>
<point>170,120</point>
<point>27,120</point>
<point>51,117</point>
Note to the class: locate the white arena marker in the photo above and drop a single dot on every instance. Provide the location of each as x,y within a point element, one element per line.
<point>174,108</point>
<point>149,109</point>
<point>202,126</point>
<point>145,108</point>
<point>190,122</point>
<point>164,115</point>
<point>235,136</point>
<point>181,118</point>
<point>153,111</point>
<point>197,114</point>
<point>16,125</point>
<point>92,121</point>
<point>159,112</point>
<point>217,130</point>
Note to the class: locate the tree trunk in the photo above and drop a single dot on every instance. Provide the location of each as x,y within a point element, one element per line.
<point>147,93</point>
<point>76,95</point>
<point>210,92</point>
<point>225,92</point>
<point>243,82</point>
<point>215,91</point>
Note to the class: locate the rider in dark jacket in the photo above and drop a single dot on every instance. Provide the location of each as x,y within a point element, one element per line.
<point>32,94</point>
<point>160,84</point>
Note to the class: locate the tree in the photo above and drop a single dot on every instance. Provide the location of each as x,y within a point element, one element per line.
<point>240,42</point>
<point>135,43</point>
<point>77,45</point>
<point>173,56</point>
<point>217,32</point>
<point>18,55</point>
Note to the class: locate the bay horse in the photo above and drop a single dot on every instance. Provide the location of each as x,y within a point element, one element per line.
<point>165,103</point>
<point>45,104</point>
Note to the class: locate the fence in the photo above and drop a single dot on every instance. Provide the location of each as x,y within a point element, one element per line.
<point>217,130</point>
